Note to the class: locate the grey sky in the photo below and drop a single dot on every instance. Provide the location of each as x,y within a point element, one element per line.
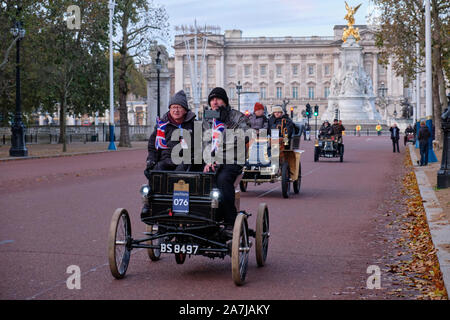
<point>271,18</point>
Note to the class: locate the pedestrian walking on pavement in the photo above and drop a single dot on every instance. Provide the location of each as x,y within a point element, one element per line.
<point>424,136</point>
<point>395,137</point>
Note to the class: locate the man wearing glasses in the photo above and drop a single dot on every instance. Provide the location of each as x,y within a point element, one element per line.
<point>160,144</point>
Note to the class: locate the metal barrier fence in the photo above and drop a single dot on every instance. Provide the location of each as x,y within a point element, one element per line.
<point>361,133</point>
<point>100,133</point>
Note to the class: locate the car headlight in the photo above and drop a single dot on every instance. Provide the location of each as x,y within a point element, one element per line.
<point>215,194</point>
<point>145,190</point>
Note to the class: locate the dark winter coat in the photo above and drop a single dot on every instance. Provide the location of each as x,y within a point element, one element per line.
<point>258,122</point>
<point>277,123</point>
<point>337,129</point>
<point>325,131</point>
<point>233,119</point>
<point>154,156</point>
<point>424,135</point>
<point>395,133</point>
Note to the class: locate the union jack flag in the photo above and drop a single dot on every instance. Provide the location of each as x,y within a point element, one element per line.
<point>160,141</point>
<point>217,129</point>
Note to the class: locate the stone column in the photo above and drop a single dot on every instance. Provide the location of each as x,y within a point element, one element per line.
<point>375,73</point>
<point>179,76</point>
<point>152,94</point>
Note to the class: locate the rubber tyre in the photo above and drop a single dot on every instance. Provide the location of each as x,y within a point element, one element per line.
<point>262,235</point>
<point>153,254</point>
<point>341,158</point>
<point>243,186</point>
<point>240,247</point>
<point>119,236</point>
<point>180,258</point>
<point>297,183</point>
<point>316,154</point>
<point>285,184</point>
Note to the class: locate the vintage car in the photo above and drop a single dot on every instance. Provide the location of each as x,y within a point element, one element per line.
<point>274,158</point>
<point>329,147</point>
<point>180,213</point>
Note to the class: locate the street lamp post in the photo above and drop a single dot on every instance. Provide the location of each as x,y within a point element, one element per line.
<point>158,72</point>
<point>238,90</point>
<point>18,148</point>
<point>112,145</point>
<point>428,80</point>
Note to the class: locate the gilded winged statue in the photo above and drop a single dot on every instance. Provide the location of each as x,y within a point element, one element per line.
<point>351,21</point>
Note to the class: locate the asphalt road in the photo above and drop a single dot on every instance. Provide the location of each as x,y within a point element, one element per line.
<point>56,213</point>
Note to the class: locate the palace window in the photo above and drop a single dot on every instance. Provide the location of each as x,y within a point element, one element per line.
<point>247,70</point>
<point>295,92</point>
<point>262,70</point>
<point>311,92</point>
<point>279,70</point>
<point>279,92</point>
<point>262,92</point>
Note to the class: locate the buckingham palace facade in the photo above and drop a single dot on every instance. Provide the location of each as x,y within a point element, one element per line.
<point>298,69</point>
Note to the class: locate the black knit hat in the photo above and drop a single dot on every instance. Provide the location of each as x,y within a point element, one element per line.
<point>218,93</point>
<point>180,99</point>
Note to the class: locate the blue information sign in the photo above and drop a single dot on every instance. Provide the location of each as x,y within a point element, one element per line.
<point>180,201</point>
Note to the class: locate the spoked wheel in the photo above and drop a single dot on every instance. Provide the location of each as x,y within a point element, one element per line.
<point>153,254</point>
<point>297,183</point>
<point>239,250</point>
<point>262,234</point>
<point>243,186</point>
<point>180,258</point>
<point>285,184</point>
<point>119,250</point>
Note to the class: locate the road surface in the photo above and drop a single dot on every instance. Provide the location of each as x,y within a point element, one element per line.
<point>56,212</point>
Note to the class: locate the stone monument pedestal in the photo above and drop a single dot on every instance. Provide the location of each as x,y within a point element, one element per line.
<point>352,96</point>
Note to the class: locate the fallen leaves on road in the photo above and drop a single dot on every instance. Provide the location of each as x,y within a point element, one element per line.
<point>423,270</point>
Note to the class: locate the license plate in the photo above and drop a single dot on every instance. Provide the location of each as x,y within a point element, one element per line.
<point>180,202</point>
<point>266,171</point>
<point>171,247</point>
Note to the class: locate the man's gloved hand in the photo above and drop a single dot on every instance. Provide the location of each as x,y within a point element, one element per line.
<point>150,166</point>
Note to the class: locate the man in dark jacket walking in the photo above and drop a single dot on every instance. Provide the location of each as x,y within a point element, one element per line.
<point>160,144</point>
<point>395,136</point>
<point>424,135</point>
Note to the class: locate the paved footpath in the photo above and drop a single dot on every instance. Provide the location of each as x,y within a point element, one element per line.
<point>56,212</point>
<point>438,221</point>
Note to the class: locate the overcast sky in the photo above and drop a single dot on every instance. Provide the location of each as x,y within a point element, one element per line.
<point>271,18</point>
